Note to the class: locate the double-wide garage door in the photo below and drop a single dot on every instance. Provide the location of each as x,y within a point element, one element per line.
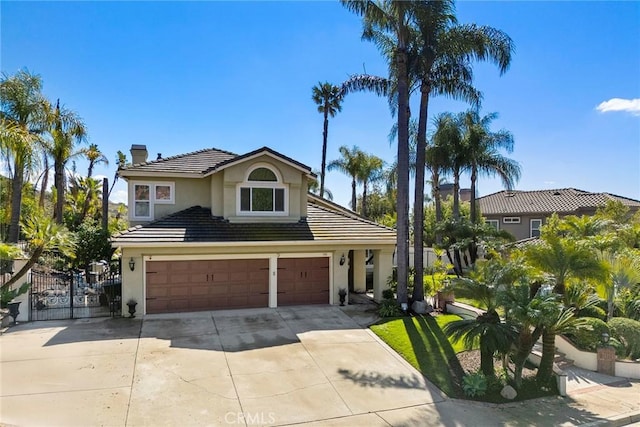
<point>177,286</point>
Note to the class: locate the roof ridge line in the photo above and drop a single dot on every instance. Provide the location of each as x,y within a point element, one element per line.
<point>178,156</point>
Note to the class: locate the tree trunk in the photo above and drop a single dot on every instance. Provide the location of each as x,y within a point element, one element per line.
<point>37,252</point>
<point>403,162</point>
<point>456,193</point>
<point>323,167</point>
<point>353,194</point>
<point>435,178</point>
<point>525,344</point>
<point>364,199</point>
<point>610,306</point>
<point>45,182</point>
<point>545,370</point>
<point>486,360</point>
<point>16,203</point>
<point>473,247</point>
<point>59,184</point>
<point>418,206</point>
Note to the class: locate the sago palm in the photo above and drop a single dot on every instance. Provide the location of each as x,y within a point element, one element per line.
<point>623,272</point>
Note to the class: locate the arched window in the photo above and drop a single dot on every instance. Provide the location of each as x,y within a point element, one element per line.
<point>263,192</point>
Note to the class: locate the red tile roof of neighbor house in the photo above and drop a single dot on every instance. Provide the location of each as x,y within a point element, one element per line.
<point>196,225</point>
<point>563,200</point>
<point>202,162</point>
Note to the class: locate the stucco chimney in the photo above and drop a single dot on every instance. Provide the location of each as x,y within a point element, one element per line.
<point>138,153</point>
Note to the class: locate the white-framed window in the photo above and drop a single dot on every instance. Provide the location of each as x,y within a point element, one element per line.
<point>262,192</point>
<point>493,222</point>
<point>511,220</point>
<point>534,226</point>
<point>146,194</point>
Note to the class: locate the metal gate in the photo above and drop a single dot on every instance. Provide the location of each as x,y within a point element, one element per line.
<point>68,295</point>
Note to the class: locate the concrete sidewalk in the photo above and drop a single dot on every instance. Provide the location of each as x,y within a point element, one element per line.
<point>292,366</point>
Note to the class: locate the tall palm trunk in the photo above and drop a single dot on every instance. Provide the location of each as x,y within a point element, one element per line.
<point>58,182</point>
<point>548,354</point>
<point>435,178</point>
<point>364,199</point>
<point>353,194</point>
<point>45,182</point>
<point>323,167</point>
<point>418,207</point>
<point>403,162</point>
<point>473,248</point>
<point>16,202</point>
<point>456,193</point>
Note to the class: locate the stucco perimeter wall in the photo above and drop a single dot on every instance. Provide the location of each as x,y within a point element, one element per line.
<point>133,281</point>
<point>587,360</point>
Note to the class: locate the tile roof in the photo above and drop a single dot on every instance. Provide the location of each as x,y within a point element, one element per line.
<point>201,162</point>
<point>196,225</point>
<point>564,200</point>
<point>195,162</point>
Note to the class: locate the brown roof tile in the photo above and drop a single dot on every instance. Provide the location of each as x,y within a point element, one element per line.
<point>564,200</point>
<point>194,162</point>
<point>196,225</point>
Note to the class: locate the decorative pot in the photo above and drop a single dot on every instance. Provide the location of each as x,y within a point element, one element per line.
<point>14,310</point>
<point>132,308</point>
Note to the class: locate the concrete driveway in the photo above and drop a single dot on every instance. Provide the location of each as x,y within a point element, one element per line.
<point>241,367</point>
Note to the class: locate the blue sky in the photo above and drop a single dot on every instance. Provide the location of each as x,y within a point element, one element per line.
<point>182,76</point>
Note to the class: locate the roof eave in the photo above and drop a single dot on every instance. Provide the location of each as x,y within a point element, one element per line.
<point>375,242</point>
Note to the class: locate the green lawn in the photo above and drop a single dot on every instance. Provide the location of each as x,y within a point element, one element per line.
<point>422,343</point>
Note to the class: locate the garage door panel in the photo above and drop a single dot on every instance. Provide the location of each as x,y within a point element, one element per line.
<point>174,286</point>
<point>303,281</point>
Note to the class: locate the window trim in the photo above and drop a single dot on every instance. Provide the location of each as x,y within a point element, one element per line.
<point>279,184</point>
<point>152,198</point>
<point>511,220</point>
<point>531,226</point>
<point>493,221</point>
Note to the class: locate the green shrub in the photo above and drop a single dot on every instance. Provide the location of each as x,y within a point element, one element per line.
<point>589,337</point>
<point>474,384</point>
<point>627,331</point>
<point>388,294</point>
<point>389,308</point>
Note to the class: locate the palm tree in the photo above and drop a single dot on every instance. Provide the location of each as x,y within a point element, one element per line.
<point>393,17</point>
<point>350,164</point>
<point>623,271</point>
<point>95,156</point>
<point>371,171</point>
<point>555,319</point>
<point>22,114</point>
<point>492,334</point>
<point>122,162</point>
<point>437,160</point>
<point>328,97</point>
<point>483,156</point>
<point>442,66</point>
<point>66,129</point>
<point>42,235</point>
<point>564,259</point>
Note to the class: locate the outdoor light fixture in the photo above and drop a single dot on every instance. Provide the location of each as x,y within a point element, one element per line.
<point>342,260</point>
<point>132,264</point>
<point>605,338</point>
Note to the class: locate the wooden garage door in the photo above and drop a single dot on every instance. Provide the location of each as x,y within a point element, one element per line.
<point>303,281</point>
<point>175,286</point>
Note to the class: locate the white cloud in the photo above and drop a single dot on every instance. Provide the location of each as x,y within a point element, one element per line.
<point>119,196</point>
<point>618,104</point>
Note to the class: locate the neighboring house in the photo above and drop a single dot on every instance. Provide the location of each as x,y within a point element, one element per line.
<point>216,230</point>
<point>522,213</point>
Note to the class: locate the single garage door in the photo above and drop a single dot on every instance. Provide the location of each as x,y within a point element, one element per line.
<point>175,286</point>
<point>303,281</point>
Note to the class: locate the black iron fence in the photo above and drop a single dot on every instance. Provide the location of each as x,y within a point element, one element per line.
<point>58,295</point>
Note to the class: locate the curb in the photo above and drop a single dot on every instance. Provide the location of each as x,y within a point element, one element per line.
<point>616,420</point>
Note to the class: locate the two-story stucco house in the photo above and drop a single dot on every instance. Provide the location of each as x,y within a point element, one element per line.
<point>217,230</point>
<point>522,213</point>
